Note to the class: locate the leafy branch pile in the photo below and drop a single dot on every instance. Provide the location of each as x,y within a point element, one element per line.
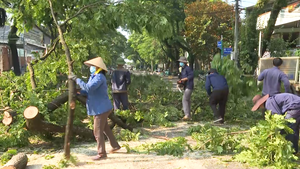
<point>175,146</point>
<point>262,145</point>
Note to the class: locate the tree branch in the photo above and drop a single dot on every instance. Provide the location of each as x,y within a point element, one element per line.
<point>81,10</point>
<point>44,32</point>
<point>48,52</point>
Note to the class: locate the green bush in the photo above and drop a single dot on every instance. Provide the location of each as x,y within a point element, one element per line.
<point>266,146</point>
<point>7,156</point>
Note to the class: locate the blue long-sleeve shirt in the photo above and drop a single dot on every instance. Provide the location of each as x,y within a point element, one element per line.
<point>272,79</point>
<point>97,97</point>
<point>187,72</point>
<point>283,102</point>
<point>218,82</point>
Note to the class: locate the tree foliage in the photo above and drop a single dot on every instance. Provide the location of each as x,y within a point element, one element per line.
<point>149,49</point>
<point>205,23</point>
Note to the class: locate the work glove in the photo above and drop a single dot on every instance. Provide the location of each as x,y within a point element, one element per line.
<point>72,76</point>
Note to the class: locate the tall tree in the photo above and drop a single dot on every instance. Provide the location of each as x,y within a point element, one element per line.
<point>205,23</point>
<point>148,48</point>
<point>277,6</point>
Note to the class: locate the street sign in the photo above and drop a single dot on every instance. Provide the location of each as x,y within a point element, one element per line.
<point>227,51</point>
<point>220,45</point>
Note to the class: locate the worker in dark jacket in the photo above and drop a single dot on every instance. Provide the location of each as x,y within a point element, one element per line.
<point>280,104</point>
<point>272,79</point>
<point>120,81</point>
<point>187,79</point>
<point>219,96</point>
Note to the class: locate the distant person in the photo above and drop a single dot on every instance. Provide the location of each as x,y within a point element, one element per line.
<point>98,105</point>
<point>120,81</point>
<point>280,104</point>
<point>187,80</point>
<point>272,79</point>
<point>219,95</point>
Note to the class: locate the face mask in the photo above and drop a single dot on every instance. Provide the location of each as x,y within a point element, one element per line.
<point>92,69</point>
<point>181,64</point>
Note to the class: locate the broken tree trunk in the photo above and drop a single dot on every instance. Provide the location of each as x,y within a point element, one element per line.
<point>18,161</point>
<point>35,123</point>
<point>57,102</point>
<point>112,116</point>
<point>8,117</point>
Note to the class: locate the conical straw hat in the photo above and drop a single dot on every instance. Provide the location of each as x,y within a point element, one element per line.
<point>98,62</point>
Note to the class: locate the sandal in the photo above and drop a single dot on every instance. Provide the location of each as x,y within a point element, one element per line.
<point>114,149</point>
<point>99,157</point>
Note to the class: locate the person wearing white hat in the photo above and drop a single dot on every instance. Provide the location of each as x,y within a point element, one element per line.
<point>98,104</point>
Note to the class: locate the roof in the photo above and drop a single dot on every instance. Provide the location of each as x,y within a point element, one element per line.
<point>33,37</point>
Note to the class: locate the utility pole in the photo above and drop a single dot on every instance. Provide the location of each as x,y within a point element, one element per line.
<point>236,33</point>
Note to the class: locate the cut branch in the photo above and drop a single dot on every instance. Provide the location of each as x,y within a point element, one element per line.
<point>18,161</point>
<point>34,122</point>
<point>8,117</point>
<point>57,102</point>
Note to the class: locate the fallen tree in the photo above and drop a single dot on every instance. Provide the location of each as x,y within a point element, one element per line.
<point>34,122</point>
<point>18,161</point>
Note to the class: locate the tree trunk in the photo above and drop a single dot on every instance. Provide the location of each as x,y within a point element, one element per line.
<point>32,78</point>
<point>35,123</point>
<point>277,6</point>
<point>18,161</point>
<point>72,85</point>
<point>112,116</point>
<point>12,42</point>
<point>57,102</point>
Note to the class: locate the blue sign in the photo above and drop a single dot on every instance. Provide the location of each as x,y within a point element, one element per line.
<point>227,51</point>
<point>220,44</point>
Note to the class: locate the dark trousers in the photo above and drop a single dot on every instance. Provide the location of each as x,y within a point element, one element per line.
<point>294,138</point>
<point>217,102</point>
<point>120,98</point>
<point>101,127</point>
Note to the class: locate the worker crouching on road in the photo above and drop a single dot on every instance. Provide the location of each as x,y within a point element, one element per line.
<point>219,96</point>
<point>120,81</point>
<point>98,104</point>
<point>187,80</point>
<point>280,104</point>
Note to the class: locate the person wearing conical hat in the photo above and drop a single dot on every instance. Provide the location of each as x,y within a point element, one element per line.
<point>98,104</point>
<point>120,81</point>
<point>280,104</point>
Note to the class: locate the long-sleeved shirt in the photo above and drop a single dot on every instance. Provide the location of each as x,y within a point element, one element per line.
<point>272,79</point>
<point>97,97</point>
<point>120,80</point>
<point>188,73</point>
<point>283,102</point>
<point>218,82</point>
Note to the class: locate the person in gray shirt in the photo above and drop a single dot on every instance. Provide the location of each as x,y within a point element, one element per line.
<point>272,79</point>
<point>120,81</point>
